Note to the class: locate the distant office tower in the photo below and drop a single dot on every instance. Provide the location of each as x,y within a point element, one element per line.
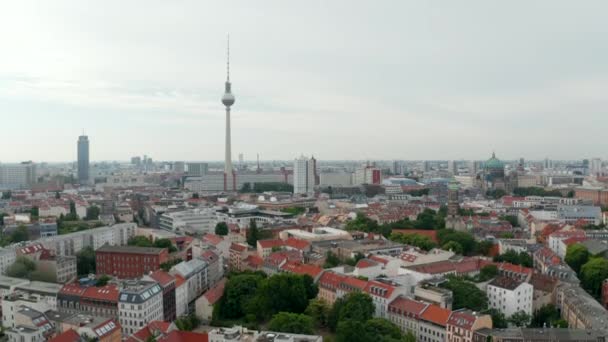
<point>596,166</point>
<point>453,167</point>
<point>241,158</point>
<point>397,167</point>
<point>304,175</point>
<point>473,167</point>
<point>197,169</point>
<point>548,163</point>
<point>136,160</point>
<point>15,176</point>
<point>83,159</point>
<point>426,166</point>
<point>228,101</point>
<point>367,174</point>
<point>179,167</point>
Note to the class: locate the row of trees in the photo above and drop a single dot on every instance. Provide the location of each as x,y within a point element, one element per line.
<point>142,241</point>
<point>428,219</point>
<point>255,297</point>
<point>511,256</point>
<point>591,269</point>
<point>468,295</point>
<point>536,191</point>
<point>449,239</point>
<point>18,235</point>
<point>26,268</point>
<point>350,318</point>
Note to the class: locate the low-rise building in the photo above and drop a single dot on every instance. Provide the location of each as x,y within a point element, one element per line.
<point>74,298</point>
<point>195,273</point>
<point>432,324</point>
<point>140,302</point>
<point>204,304</point>
<point>509,296</point>
<point>29,325</point>
<point>434,295</point>
<point>240,334</point>
<point>129,262</point>
<point>462,325</point>
<point>579,309</point>
<point>405,313</point>
<point>167,283</point>
<point>539,335</point>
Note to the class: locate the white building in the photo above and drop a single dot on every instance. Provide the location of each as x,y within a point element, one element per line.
<point>7,258</point>
<point>181,296</point>
<point>197,169</point>
<point>240,334</point>
<point>139,303</point>
<point>15,176</point>
<point>304,175</point>
<point>200,220</point>
<point>70,244</point>
<point>317,234</point>
<point>336,179</point>
<point>367,174</point>
<point>195,273</point>
<point>509,296</point>
<point>596,166</point>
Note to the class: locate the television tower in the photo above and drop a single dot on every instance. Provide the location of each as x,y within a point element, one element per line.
<point>228,100</point>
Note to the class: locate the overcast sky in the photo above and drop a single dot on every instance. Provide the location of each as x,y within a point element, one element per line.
<point>337,79</point>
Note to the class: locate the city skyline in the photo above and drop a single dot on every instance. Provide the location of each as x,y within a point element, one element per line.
<point>434,87</point>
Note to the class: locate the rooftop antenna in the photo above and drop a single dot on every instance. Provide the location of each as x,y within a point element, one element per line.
<point>228,58</point>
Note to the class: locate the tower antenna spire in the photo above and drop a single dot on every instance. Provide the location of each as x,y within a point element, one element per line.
<point>228,58</point>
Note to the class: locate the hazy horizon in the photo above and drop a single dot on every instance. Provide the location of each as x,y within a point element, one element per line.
<point>342,80</point>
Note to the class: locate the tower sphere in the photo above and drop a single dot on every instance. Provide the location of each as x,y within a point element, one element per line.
<point>228,99</point>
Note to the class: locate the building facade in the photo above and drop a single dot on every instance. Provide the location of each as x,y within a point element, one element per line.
<point>509,296</point>
<point>128,262</point>
<point>83,159</point>
<point>140,302</point>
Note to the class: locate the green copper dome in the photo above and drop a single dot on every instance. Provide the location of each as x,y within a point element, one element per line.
<point>494,163</point>
<point>453,184</point>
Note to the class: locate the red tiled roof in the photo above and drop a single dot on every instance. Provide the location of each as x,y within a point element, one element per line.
<point>365,263</point>
<point>436,315</point>
<point>573,240</point>
<point>508,267</point>
<point>254,261</point>
<point>297,243</point>
<point>238,247</point>
<point>68,336</point>
<point>353,282</point>
<point>210,256</point>
<point>152,329</point>
<point>373,288</point>
<point>330,280</point>
<point>462,319</point>
<point>407,307</point>
<point>184,336</point>
<point>216,292</point>
<point>377,258</point>
<point>270,243</point>
<point>213,239</point>
<point>73,289</point>
<point>31,249</point>
<point>107,327</point>
<point>300,268</point>
<point>108,293</point>
<point>179,280</point>
<point>162,277</point>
